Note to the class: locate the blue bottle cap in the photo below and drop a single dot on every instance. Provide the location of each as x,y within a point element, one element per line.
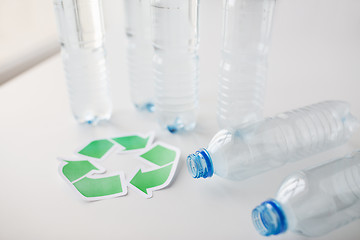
<point>200,164</point>
<point>269,218</point>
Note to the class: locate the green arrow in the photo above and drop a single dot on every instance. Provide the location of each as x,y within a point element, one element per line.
<point>76,169</point>
<point>97,148</point>
<point>146,180</point>
<point>99,187</point>
<point>160,155</point>
<point>132,142</point>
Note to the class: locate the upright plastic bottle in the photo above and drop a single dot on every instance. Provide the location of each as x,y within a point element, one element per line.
<point>315,201</point>
<point>82,35</point>
<point>175,40</point>
<point>271,143</point>
<point>243,68</point>
<point>140,53</point>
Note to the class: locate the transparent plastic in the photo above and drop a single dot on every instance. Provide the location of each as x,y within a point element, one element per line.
<point>243,68</point>
<point>175,40</point>
<point>315,201</point>
<point>82,35</point>
<point>140,53</point>
<point>271,143</point>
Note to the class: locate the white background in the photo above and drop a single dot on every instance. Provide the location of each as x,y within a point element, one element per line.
<point>27,35</point>
<point>314,57</point>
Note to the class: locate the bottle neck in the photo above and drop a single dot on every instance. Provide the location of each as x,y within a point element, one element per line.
<point>269,218</point>
<point>200,164</point>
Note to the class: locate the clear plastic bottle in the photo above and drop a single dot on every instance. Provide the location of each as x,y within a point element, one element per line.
<point>259,147</point>
<point>82,35</point>
<point>140,53</point>
<point>175,40</point>
<point>243,68</point>
<point>315,201</point>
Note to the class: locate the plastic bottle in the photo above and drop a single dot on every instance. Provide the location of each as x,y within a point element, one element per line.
<point>315,201</point>
<point>81,31</point>
<point>259,147</point>
<point>140,53</point>
<point>243,68</point>
<point>175,40</point>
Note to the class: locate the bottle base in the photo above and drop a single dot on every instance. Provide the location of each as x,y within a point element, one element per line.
<point>93,120</point>
<point>179,126</point>
<point>145,107</point>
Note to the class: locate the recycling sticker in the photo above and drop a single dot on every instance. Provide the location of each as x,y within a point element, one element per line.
<point>85,173</point>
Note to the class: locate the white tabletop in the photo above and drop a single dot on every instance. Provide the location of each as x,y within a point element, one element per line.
<point>315,57</point>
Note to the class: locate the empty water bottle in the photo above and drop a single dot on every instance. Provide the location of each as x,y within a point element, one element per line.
<point>140,53</point>
<point>258,147</point>
<point>175,40</point>
<point>81,31</point>
<point>243,68</point>
<point>315,201</point>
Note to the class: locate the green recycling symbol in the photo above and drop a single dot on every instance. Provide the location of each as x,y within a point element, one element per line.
<point>88,178</point>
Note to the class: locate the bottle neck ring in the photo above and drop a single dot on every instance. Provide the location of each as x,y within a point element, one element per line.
<point>269,218</point>
<point>200,164</point>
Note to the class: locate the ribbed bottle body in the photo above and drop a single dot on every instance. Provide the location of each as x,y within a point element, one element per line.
<point>243,70</point>
<point>315,128</point>
<point>82,35</point>
<point>140,53</point>
<point>175,62</point>
<point>294,135</point>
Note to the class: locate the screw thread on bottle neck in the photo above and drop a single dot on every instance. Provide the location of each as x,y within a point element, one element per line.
<point>199,164</point>
<point>269,218</point>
